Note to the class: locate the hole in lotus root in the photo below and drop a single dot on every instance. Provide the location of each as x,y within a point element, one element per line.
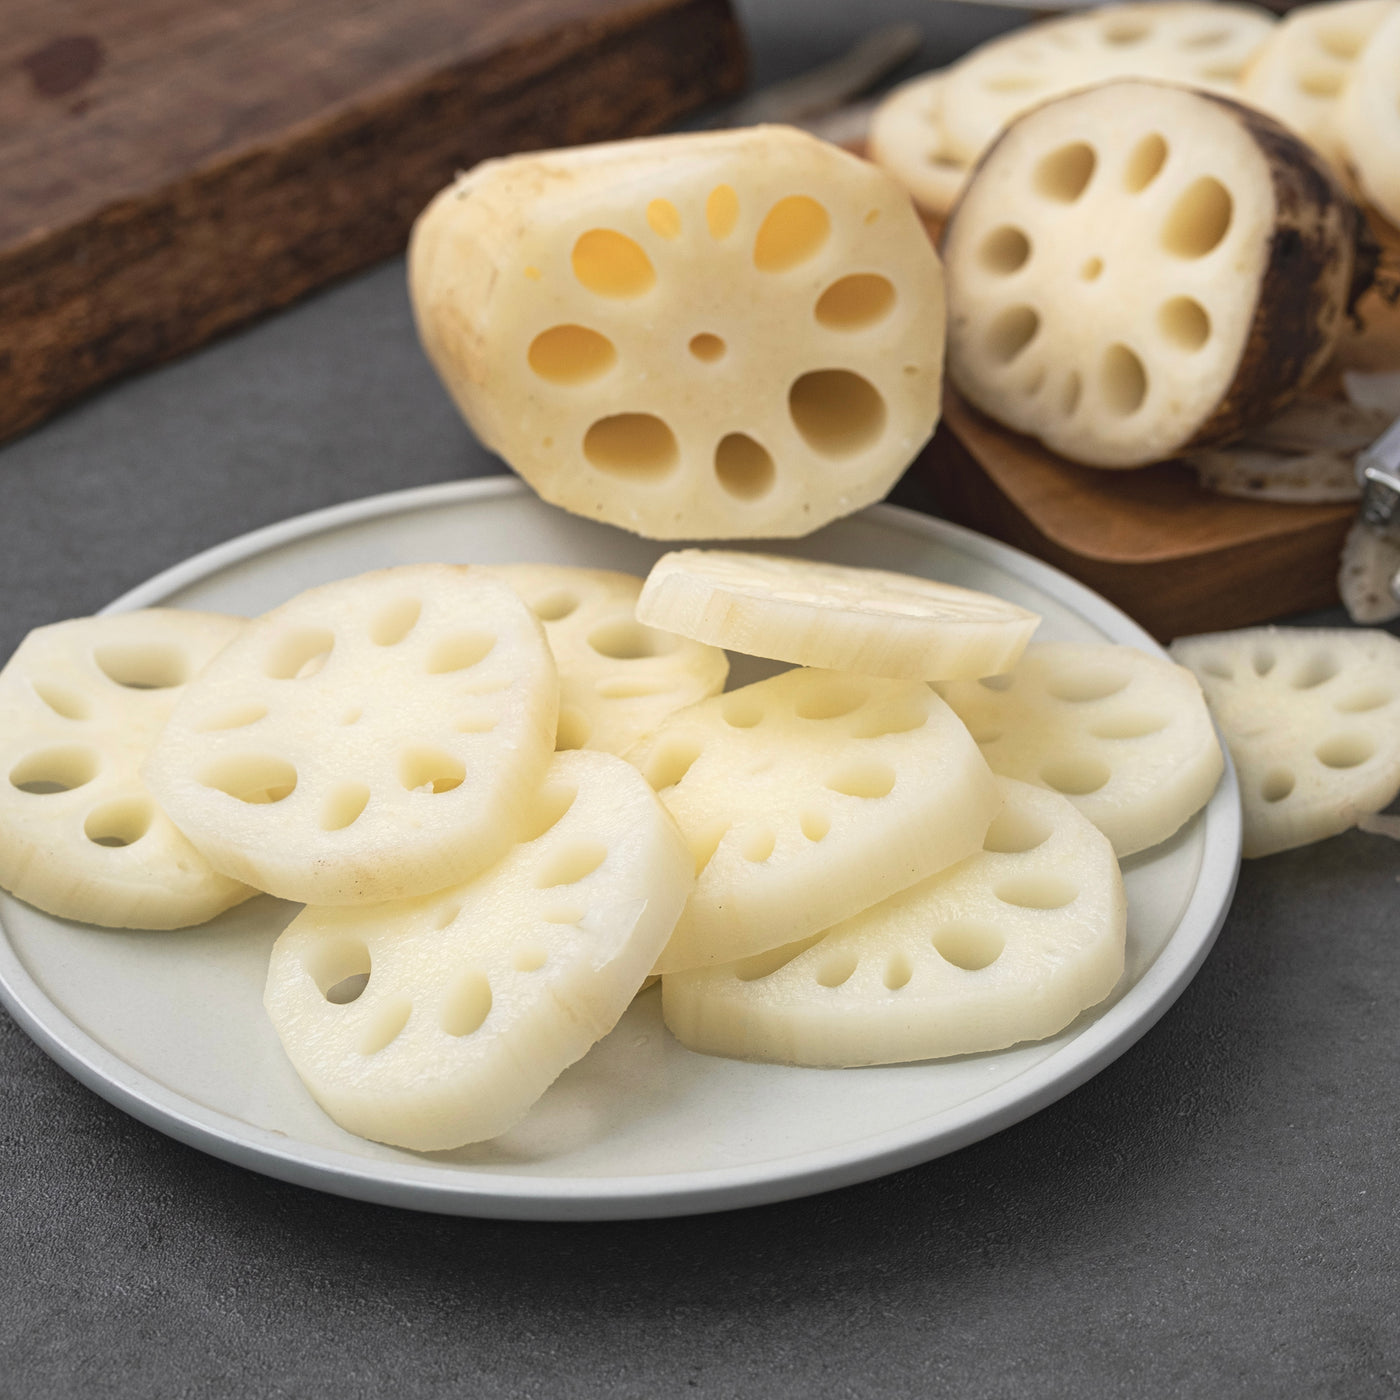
<point>431,771</point>
<point>1184,322</point>
<point>664,218</point>
<point>571,354</point>
<point>67,704</point>
<point>671,762</point>
<point>530,959</point>
<point>1005,250</point>
<point>1199,220</point>
<point>299,653</point>
<point>898,716</point>
<point>863,780</point>
<point>1144,163</point>
<point>829,697</point>
<point>1322,82</point>
<point>1341,42</point>
<point>1277,784</point>
<point>632,687</point>
<point>447,915</point>
<point>721,211</point>
<point>898,971</point>
<point>555,606</point>
<point>792,232</point>
<point>968,945</point>
<point>1123,380</point>
<point>836,968</point>
<point>474,724</point>
<point>743,467</point>
<point>836,412</point>
<point>741,711</point>
<point>1121,32</point>
<point>1076,776</point>
<point>1092,270</point>
<point>766,964</point>
<point>1071,393</point>
<point>999,683</point>
<point>1218,667</point>
<point>1345,750</point>
<point>1011,331</point>
<point>142,665</point>
<point>704,844</point>
<point>1014,831</point>
<point>1064,175</point>
<point>119,823</point>
<point>1264,660</point>
<point>1131,724</point>
<point>757,846</point>
<point>1316,670</point>
<point>855,302</point>
<point>636,446</point>
<point>394,621</point>
<point>257,779</point>
<point>459,653</point>
<point>626,639</point>
<point>1205,39</point>
<point>815,825</point>
<point>343,806</point>
<point>551,805</point>
<point>1039,891</point>
<point>385,1025</point>
<point>563,914</point>
<point>467,1005</point>
<point>611,264</point>
<point>1013,82</point>
<point>1370,697</point>
<point>571,864</point>
<point>339,967</point>
<point>707,347</point>
<point>238,716</point>
<point>1082,685</point>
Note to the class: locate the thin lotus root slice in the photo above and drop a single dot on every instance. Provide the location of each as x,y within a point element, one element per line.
<point>1197,45</point>
<point>868,621</point>
<point>1366,576</point>
<point>438,1021</point>
<point>722,335</point>
<point>1124,735</point>
<point>371,739</point>
<point>1368,119</point>
<point>1138,270</point>
<point>618,679</point>
<point>81,703</point>
<point>1303,67</point>
<point>808,797</point>
<point>1312,719</point>
<point>908,138</point>
<point>1006,946</point>
<point>1262,474</point>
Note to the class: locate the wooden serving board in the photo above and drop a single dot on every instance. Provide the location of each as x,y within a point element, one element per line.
<point>169,169</point>
<point>1176,558</point>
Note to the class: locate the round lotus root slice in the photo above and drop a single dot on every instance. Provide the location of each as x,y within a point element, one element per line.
<point>618,679</point>
<point>722,335</point>
<point>867,621</point>
<point>1304,66</point>
<point>370,739</point>
<point>1138,269</point>
<point>1124,735</point>
<point>81,837</point>
<point>908,138</point>
<point>437,1021</point>
<point>1368,119</point>
<point>1009,945</point>
<point>1198,45</point>
<point>808,797</point>
<point>1312,719</point>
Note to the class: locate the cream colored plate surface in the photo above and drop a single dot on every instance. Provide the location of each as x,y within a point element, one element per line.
<point>170,1026</point>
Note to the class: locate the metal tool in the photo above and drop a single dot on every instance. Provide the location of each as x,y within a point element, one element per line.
<point>1378,474</point>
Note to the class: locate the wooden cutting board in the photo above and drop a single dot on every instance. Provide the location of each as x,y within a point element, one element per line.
<point>1176,558</point>
<point>169,169</point>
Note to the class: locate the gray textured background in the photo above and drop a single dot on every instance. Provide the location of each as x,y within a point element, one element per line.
<point>1214,1214</point>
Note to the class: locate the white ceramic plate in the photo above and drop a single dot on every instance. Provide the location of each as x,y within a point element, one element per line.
<point>170,1027</point>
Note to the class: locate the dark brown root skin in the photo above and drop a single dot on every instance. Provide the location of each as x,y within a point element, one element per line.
<point>1322,259</point>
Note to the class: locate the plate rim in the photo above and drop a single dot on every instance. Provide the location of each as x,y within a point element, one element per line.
<point>457,1190</point>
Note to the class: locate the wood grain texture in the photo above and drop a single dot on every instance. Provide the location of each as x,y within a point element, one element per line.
<point>170,170</point>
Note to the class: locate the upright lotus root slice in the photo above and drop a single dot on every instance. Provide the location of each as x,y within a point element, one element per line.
<point>1137,270</point>
<point>371,739</point>
<point>1312,719</point>
<point>438,1021</point>
<point>807,798</point>
<point>1198,45</point>
<point>618,679</point>
<point>719,335</point>
<point>81,703</point>
<point>908,138</point>
<point>868,621</point>
<point>1368,119</point>
<point>1006,946</point>
<point>1304,66</point>
<point>1124,735</point>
